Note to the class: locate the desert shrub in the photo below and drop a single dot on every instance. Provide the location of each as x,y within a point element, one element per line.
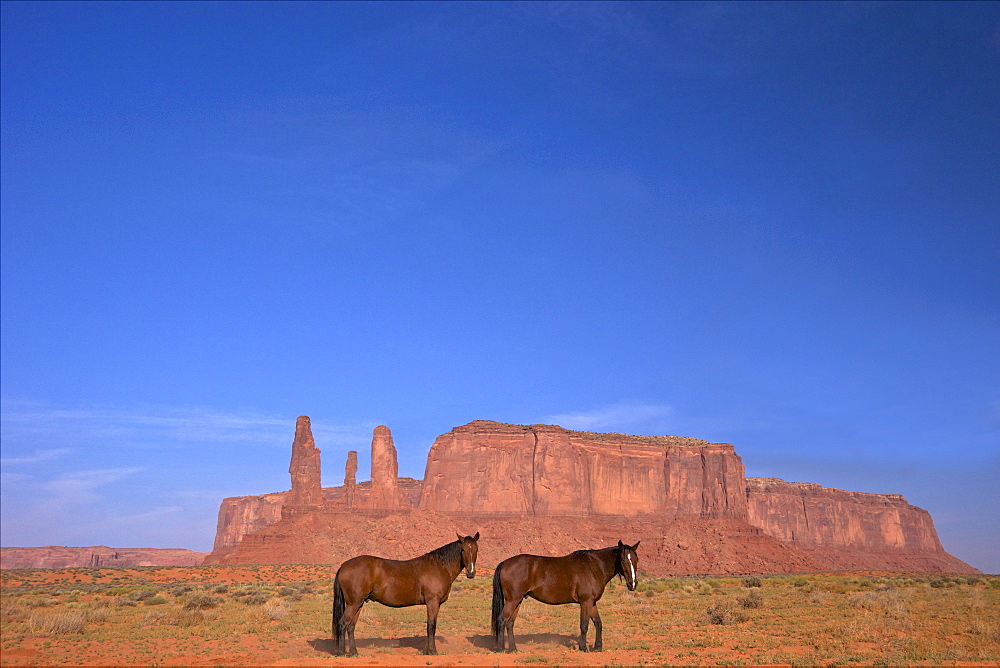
<point>941,582</point>
<point>122,602</point>
<point>151,617</point>
<point>242,591</point>
<point>221,589</point>
<point>753,581</point>
<point>180,590</point>
<point>155,600</point>
<point>819,597</point>
<point>658,584</point>
<point>890,602</point>
<point>41,602</point>
<point>724,612</point>
<point>57,623</point>
<point>752,599</point>
<point>275,609</point>
<point>800,583</point>
<point>11,612</point>
<point>95,613</point>
<point>697,587</point>
<point>199,601</point>
<point>256,598</point>
<point>973,580</point>
<point>141,595</point>
<point>185,618</point>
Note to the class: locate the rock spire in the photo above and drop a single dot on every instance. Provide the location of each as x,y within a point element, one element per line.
<point>385,493</point>
<point>350,469</point>
<point>304,469</point>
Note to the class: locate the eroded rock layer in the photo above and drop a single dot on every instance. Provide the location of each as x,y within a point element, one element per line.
<point>811,515</point>
<point>493,468</point>
<point>549,490</point>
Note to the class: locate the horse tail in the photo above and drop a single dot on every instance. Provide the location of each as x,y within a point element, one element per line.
<point>498,603</point>
<point>338,615</point>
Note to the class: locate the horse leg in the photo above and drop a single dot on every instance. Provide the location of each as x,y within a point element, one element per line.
<point>598,629</point>
<point>499,629</point>
<point>432,615</point>
<point>351,614</point>
<point>510,610</point>
<point>585,613</point>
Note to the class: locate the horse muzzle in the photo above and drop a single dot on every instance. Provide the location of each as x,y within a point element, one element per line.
<point>470,572</point>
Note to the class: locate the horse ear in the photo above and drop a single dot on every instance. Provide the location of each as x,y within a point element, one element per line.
<point>636,546</point>
<point>621,544</point>
<point>459,537</point>
<point>476,537</point>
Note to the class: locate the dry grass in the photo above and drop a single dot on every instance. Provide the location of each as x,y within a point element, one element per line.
<point>56,623</point>
<point>818,619</point>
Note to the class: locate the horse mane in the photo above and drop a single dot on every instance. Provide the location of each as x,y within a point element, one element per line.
<point>449,553</point>
<point>619,569</point>
<point>615,550</point>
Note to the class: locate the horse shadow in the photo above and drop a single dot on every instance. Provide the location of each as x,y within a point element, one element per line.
<point>415,642</point>
<point>322,645</point>
<point>490,643</point>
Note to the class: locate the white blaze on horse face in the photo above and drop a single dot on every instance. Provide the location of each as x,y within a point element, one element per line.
<point>630,566</point>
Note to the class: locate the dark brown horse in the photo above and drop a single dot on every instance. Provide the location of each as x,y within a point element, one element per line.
<point>424,580</point>
<point>579,577</point>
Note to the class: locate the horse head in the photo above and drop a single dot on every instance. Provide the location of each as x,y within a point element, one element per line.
<point>627,563</point>
<point>470,550</point>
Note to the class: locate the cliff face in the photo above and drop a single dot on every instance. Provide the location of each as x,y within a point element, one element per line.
<point>240,515</point>
<point>811,515</point>
<point>549,490</point>
<point>97,556</point>
<point>494,468</point>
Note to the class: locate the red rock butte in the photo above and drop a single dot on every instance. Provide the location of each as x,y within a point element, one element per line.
<point>543,489</point>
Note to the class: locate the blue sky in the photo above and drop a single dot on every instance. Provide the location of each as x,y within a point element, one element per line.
<point>774,225</point>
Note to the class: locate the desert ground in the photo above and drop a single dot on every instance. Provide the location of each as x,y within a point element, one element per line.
<point>280,615</point>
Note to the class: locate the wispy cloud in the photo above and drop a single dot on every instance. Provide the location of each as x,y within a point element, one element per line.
<point>156,514</point>
<point>25,425</point>
<point>80,487</point>
<point>39,456</point>
<point>344,172</point>
<point>616,417</point>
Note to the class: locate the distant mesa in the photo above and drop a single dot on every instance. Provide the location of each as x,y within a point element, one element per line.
<point>548,490</point>
<point>98,556</point>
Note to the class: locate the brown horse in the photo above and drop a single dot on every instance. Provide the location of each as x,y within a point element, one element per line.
<point>424,580</point>
<point>579,577</point>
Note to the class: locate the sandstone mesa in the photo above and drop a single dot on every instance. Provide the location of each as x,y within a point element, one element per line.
<point>97,556</point>
<point>547,490</point>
